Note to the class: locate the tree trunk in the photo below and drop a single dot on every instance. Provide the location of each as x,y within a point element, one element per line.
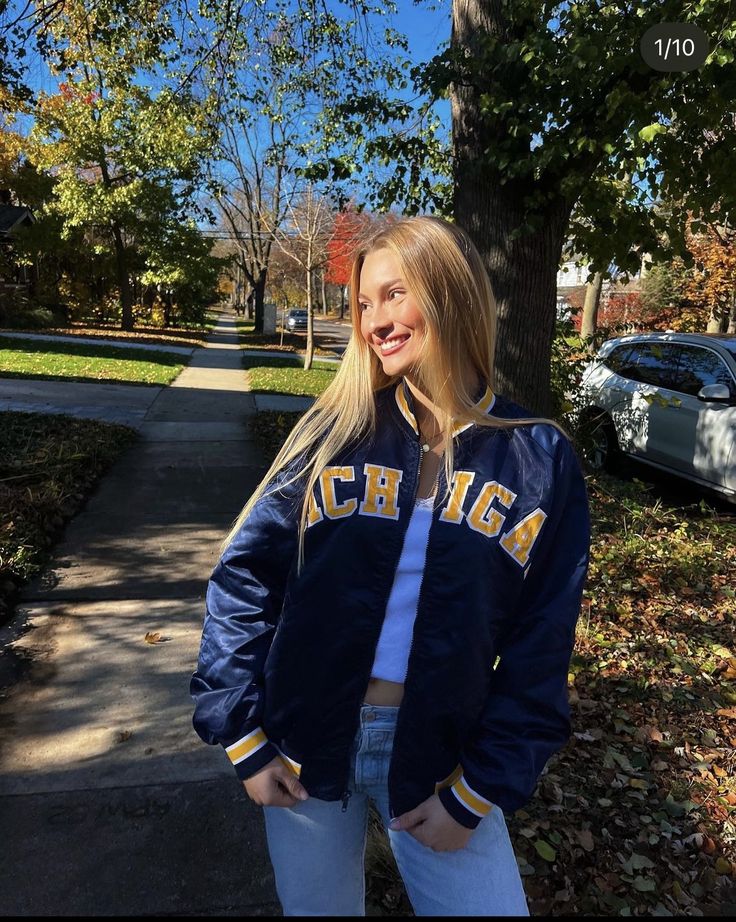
<point>259,291</point>
<point>324,294</point>
<point>121,263</point>
<point>235,293</point>
<point>315,294</point>
<point>310,319</point>
<point>719,318</point>
<point>731,328</point>
<point>343,291</point>
<point>523,271</point>
<point>590,309</point>
<point>523,274</point>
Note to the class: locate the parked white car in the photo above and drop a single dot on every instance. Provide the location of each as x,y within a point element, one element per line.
<point>666,399</point>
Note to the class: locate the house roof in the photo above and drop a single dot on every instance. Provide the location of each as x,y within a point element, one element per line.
<point>12,216</point>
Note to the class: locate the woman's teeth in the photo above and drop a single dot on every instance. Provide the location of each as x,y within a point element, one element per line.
<point>390,344</point>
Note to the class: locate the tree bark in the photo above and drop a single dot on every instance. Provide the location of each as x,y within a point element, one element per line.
<point>259,291</point>
<point>523,274</point>
<point>121,264</point>
<point>324,293</point>
<point>121,258</point>
<point>731,327</point>
<point>590,308</point>
<point>310,319</point>
<point>523,270</point>
<point>237,288</point>
<point>719,318</point>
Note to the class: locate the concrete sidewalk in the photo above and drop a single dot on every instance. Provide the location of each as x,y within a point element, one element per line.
<point>109,802</point>
<point>153,347</point>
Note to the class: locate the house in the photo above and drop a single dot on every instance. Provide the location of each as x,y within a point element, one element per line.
<point>571,281</point>
<point>570,284</point>
<point>12,219</point>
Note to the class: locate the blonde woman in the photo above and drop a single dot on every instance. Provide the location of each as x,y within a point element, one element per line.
<point>393,613</point>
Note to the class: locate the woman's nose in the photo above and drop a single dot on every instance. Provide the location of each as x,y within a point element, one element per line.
<point>379,317</point>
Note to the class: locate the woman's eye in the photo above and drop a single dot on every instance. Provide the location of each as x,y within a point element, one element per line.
<point>395,291</point>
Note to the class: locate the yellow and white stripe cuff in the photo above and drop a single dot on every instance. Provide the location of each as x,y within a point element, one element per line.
<point>293,765</point>
<point>470,799</point>
<point>247,746</point>
<point>450,779</point>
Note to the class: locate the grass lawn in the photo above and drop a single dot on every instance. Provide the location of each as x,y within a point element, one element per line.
<point>49,464</point>
<point>285,376</point>
<point>27,358</point>
<point>292,342</point>
<point>637,814</point>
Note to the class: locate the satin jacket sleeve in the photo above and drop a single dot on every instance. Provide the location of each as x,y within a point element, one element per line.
<point>526,717</point>
<point>242,606</point>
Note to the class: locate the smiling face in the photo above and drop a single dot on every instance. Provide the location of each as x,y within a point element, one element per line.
<point>390,321</point>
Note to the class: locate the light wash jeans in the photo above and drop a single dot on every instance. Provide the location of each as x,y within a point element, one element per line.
<point>317,850</point>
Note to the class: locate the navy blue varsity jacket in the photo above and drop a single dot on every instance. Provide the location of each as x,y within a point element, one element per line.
<point>285,659</point>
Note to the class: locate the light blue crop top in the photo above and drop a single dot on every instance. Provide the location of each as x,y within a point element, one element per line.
<point>392,652</point>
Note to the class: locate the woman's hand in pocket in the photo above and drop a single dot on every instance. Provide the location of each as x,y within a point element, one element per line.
<point>433,826</point>
<point>275,785</point>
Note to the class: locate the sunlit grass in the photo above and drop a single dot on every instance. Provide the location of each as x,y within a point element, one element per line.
<point>286,376</point>
<point>28,358</point>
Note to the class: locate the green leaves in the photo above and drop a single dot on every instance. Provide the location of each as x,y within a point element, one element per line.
<point>649,132</point>
<point>545,850</point>
<point>636,862</point>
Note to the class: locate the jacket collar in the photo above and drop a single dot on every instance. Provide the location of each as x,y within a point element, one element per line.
<point>484,401</point>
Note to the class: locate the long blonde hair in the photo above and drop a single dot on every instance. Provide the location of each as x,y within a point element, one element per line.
<point>447,278</point>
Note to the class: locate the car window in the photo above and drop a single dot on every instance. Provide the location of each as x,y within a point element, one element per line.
<point>698,367</point>
<point>652,363</point>
<point>616,358</point>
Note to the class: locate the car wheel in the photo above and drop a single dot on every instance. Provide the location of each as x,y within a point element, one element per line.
<point>600,447</point>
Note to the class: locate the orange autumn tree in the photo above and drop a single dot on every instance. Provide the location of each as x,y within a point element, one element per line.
<point>349,229</point>
<point>711,286</point>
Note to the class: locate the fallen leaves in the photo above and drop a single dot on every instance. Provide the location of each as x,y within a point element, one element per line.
<point>637,814</point>
<point>545,850</point>
<point>153,637</point>
<point>585,838</point>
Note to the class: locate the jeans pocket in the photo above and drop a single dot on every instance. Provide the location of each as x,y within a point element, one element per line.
<point>373,757</point>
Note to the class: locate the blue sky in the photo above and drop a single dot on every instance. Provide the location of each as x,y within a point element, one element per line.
<point>427,26</point>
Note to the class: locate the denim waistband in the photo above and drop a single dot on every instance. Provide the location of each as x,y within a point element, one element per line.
<point>378,716</point>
